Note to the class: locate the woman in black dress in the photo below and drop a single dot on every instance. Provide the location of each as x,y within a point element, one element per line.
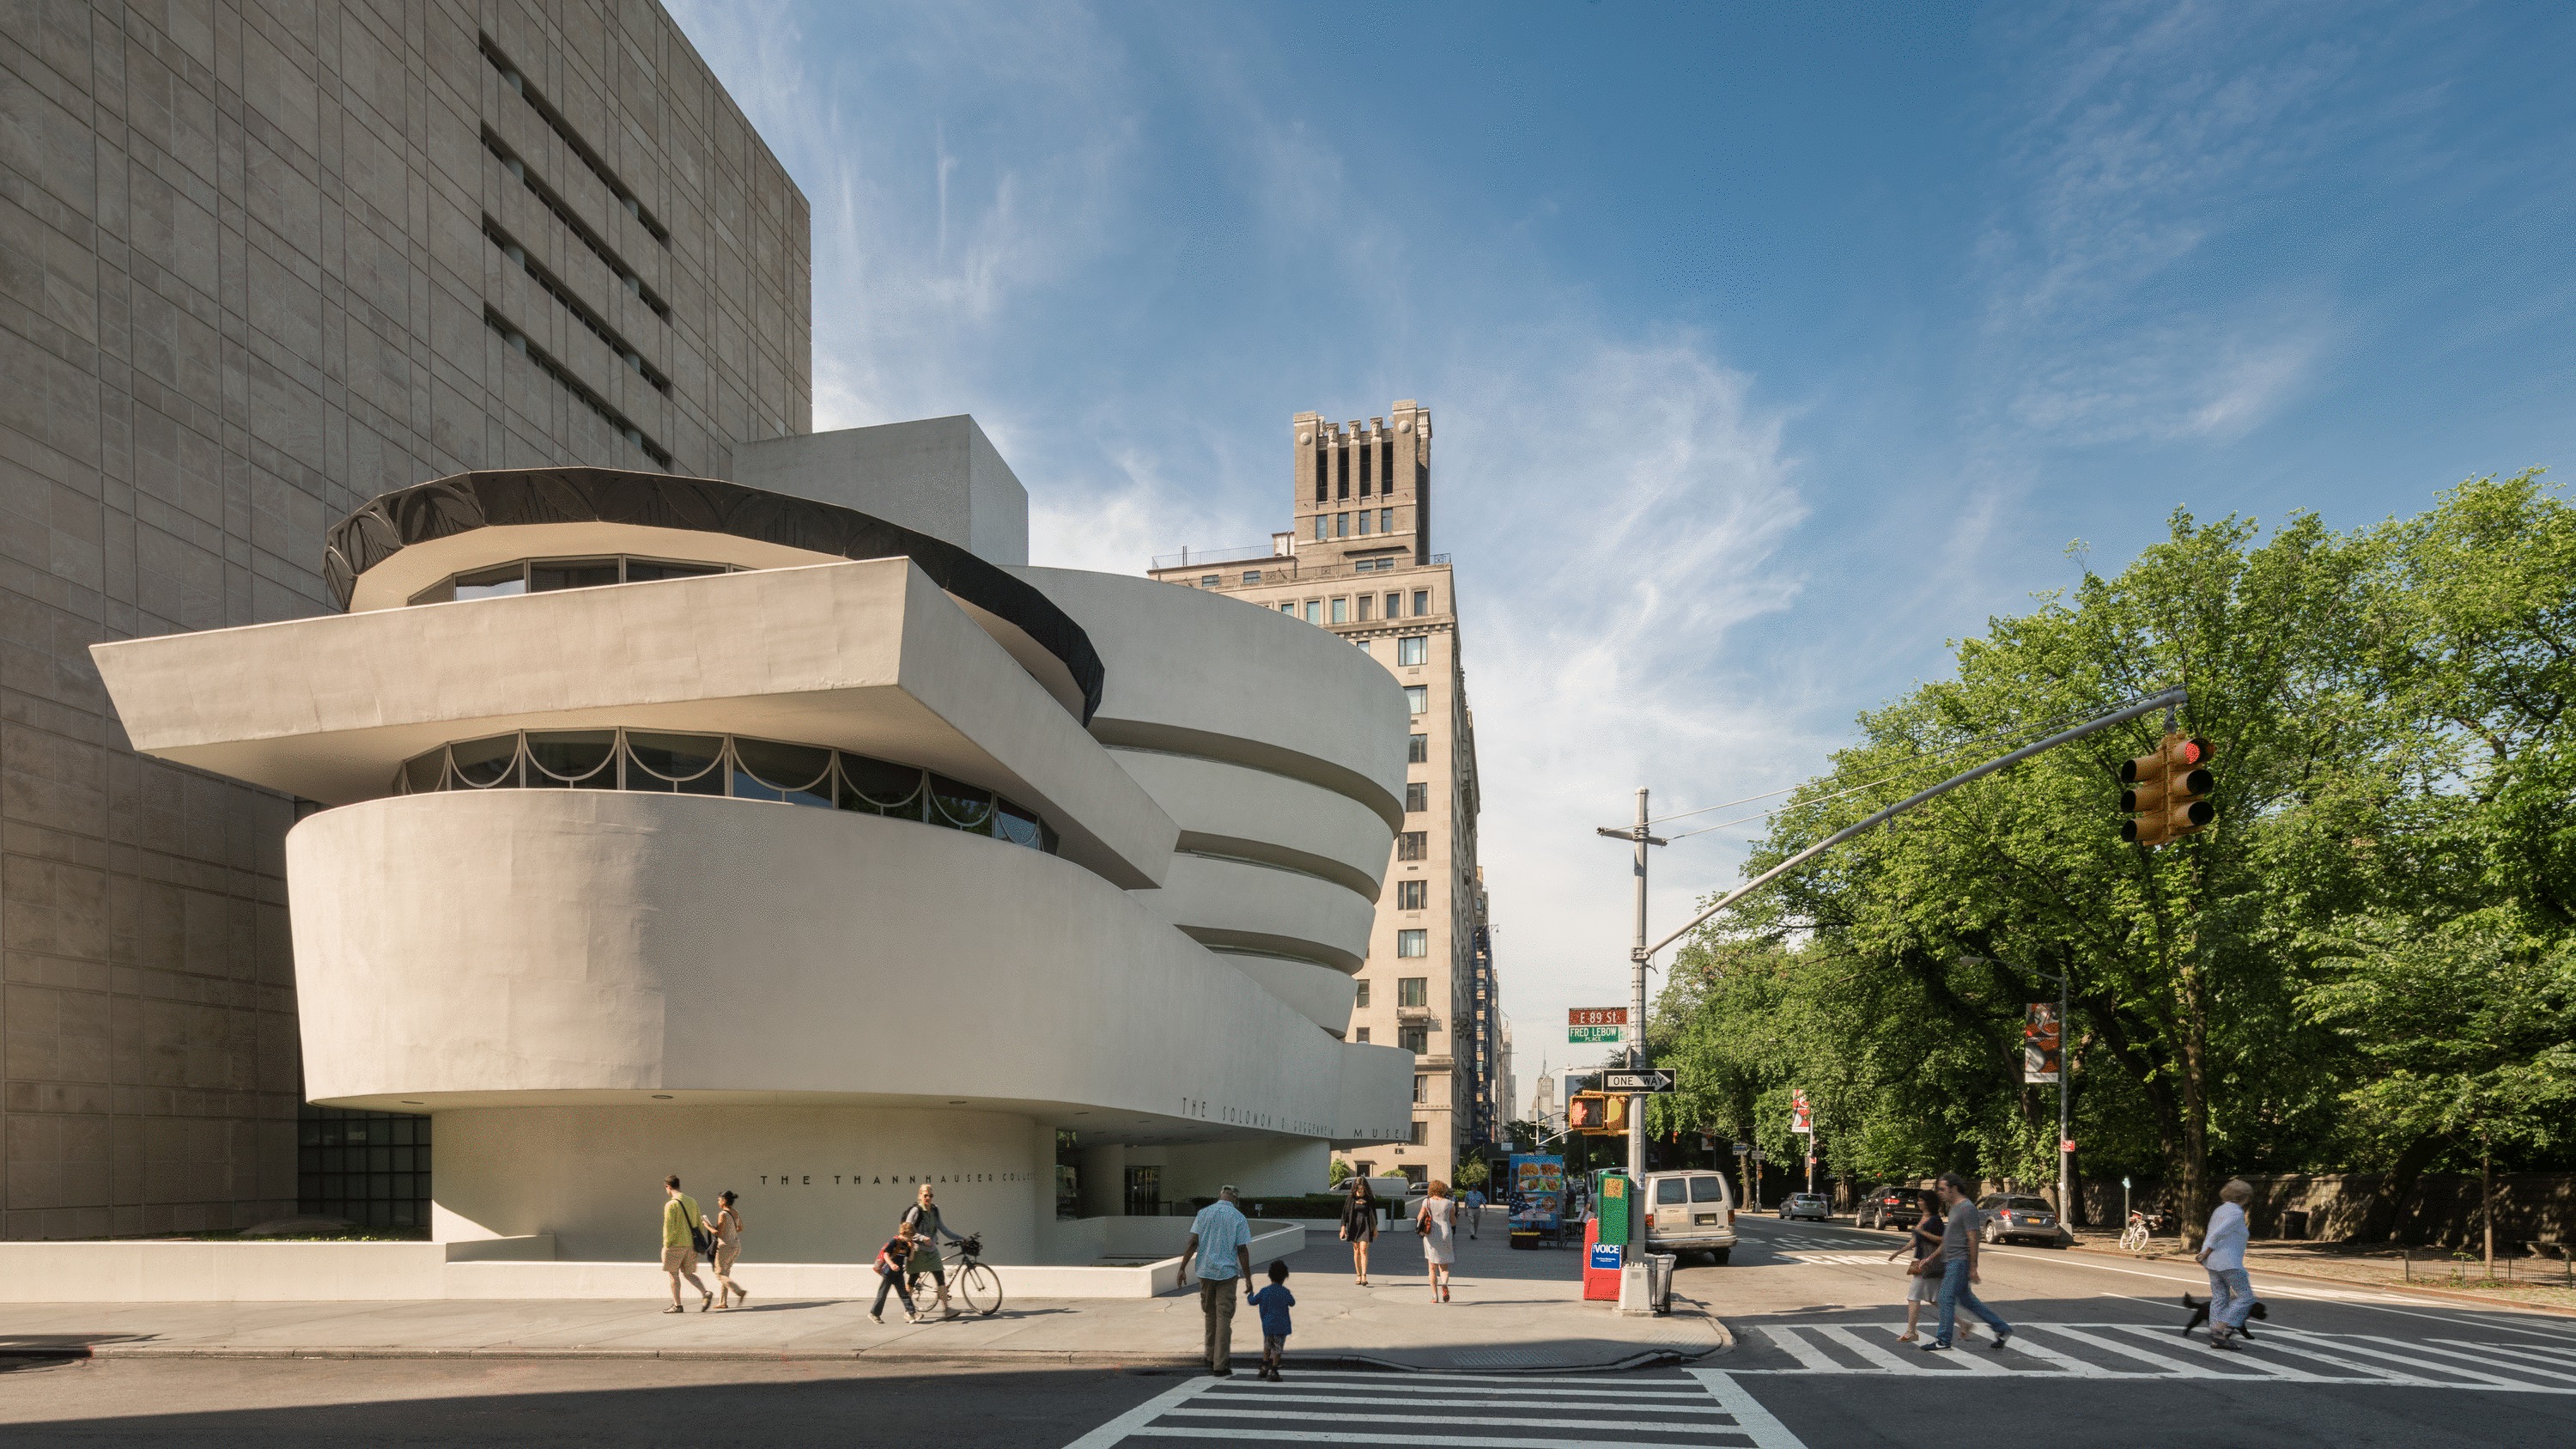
<point>1359,1226</point>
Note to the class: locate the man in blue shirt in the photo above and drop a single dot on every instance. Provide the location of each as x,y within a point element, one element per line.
<point>1221,1246</point>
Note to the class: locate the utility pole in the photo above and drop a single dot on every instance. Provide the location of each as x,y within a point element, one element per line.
<point>1637,989</point>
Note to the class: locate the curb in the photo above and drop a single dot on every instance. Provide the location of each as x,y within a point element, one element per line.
<point>1659,1357</point>
<point>2451,1295</point>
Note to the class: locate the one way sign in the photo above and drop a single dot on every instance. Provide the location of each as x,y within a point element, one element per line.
<point>1657,1079</point>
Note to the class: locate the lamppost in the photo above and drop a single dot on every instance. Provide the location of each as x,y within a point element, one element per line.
<point>2065,1073</point>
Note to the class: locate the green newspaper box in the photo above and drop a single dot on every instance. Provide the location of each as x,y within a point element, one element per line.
<point>1613,1209</point>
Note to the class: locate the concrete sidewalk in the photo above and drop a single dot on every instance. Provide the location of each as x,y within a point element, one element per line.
<point>1509,1311</point>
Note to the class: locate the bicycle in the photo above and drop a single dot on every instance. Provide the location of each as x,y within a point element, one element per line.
<point>976,1286</point>
<point>2133,1239</point>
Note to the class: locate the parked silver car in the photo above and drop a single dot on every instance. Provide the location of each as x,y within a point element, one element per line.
<point>2012,1217</point>
<point>1810,1205</point>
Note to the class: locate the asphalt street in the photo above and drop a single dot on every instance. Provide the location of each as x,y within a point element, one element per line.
<point>2097,1360</point>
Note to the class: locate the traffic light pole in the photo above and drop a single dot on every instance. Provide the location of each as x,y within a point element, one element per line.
<point>2169,699</point>
<point>1637,990</point>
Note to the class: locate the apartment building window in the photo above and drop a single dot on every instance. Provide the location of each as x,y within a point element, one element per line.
<point>1415,1039</point>
<point>1421,1134</point>
<point>1386,520</point>
<point>1417,796</point>
<point>1363,645</point>
<point>1362,1001</point>
<point>1417,698</point>
<point>1368,606</point>
<point>1421,602</point>
<point>1410,895</point>
<point>1417,751</point>
<point>1395,606</point>
<point>1341,525</point>
<point>1319,476</point>
<point>1341,611</point>
<point>1342,471</point>
<point>1323,528</point>
<point>1363,1036</point>
<point>1410,845</point>
<point>1314,611</point>
<point>1364,520</point>
<point>1252,576</point>
<point>1413,943</point>
<point>1288,608</point>
<point>1413,649</point>
<point>1418,1084</point>
<point>1209,581</point>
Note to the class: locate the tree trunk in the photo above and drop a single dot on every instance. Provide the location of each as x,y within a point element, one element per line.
<point>2379,1220</point>
<point>2195,1107</point>
<point>2486,1200</point>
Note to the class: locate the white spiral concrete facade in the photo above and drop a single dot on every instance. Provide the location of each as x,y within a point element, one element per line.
<point>817,1007</point>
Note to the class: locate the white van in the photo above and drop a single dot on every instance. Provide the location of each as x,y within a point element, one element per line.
<point>1690,1212</point>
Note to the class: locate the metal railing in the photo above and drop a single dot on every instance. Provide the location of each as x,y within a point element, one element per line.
<point>1189,557</point>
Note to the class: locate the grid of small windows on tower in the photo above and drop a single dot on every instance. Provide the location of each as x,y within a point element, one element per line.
<point>371,1168</point>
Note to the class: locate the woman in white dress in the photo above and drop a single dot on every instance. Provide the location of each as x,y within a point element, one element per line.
<point>1437,1221</point>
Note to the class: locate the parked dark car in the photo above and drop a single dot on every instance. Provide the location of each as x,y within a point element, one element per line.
<point>2012,1217</point>
<point>1890,1207</point>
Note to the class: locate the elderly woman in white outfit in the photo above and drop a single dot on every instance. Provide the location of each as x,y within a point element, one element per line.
<point>2222,1252</point>
<point>1437,1221</point>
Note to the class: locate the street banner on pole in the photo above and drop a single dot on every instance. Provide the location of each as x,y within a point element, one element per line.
<point>2043,1039</point>
<point>1802,1118</point>
<point>1596,1023</point>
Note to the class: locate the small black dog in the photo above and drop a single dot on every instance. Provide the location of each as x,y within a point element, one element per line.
<point>2200,1314</point>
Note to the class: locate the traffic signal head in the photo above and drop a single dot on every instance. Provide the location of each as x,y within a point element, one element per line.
<point>2165,791</point>
<point>1614,1117</point>
<point>1583,1112</point>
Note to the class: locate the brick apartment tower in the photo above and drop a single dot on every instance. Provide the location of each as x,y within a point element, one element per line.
<point>265,263</point>
<point>1357,560</point>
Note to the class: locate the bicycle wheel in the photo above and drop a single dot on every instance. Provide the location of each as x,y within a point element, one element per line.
<point>980,1289</point>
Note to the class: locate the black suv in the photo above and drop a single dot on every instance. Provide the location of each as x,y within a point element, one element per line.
<point>1891,1207</point>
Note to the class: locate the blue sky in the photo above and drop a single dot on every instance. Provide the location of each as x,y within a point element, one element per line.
<point>1770,347</point>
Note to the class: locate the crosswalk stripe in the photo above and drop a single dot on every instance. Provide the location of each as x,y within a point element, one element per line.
<point>2173,1366</point>
<point>2066,1363</point>
<point>2281,1341</point>
<point>2516,1350</point>
<point>2239,1365</point>
<point>1141,1415</point>
<point>2565,1374</point>
<point>2348,1343</point>
<point>1590,1383</point>
<point>1633,1425</point>
<point>1796,1346</point>
<point>1918,1364</point>
<point>2523,1350</point>
<point>1416,1384</point>
<point>1362,1436</point>
<point>1753,1421</point>
<point>1289,1399</point>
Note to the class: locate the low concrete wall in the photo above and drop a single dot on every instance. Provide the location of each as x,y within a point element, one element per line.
<point>143,1271</point>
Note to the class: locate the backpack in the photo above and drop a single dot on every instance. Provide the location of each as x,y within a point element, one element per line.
<point>701,1242</point>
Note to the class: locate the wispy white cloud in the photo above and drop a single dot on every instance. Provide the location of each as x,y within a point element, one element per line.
<point>2156,137</point>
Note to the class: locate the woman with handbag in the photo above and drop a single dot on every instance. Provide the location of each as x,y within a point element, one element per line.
<point>1437,1221</point>
<point>1359,1227</point>
<point>1923,1280</point>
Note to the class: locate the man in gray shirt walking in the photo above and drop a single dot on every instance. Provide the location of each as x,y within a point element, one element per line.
<point>1959,1265</point>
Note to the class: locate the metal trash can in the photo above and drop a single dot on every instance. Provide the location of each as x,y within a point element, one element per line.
<point>1659,1267</point>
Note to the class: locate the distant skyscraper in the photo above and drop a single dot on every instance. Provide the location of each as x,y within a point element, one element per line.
<point>1357,560</point>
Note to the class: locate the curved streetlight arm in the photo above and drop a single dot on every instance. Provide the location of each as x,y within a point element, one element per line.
<point>2170,699</point>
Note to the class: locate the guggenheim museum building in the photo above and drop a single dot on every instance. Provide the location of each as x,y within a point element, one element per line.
<point>795,835</point>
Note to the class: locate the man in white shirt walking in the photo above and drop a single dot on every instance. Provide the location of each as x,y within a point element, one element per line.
<point>1221,1245</point>
<point>2222,1252</point>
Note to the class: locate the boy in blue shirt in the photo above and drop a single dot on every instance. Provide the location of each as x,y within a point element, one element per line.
<point>1274,1303</point>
